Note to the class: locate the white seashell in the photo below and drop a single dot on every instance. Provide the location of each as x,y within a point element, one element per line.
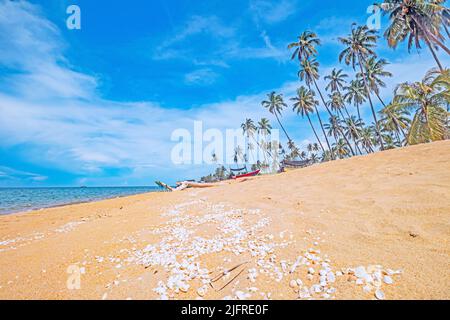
<point>317,288</point>
<point>201,291</point>
<point>311,271</point>
<point>241,295</point>
<point>360,272</point>
<point>331,277</point>
<point>293,284</point>
<point>388,280</point>
<point>367,288</point>
<point>379,294</point>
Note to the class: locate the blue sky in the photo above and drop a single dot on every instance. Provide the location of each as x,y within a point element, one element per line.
<point>97,106</point>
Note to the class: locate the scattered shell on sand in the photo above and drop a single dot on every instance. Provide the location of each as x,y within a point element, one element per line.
<point>180,250</point>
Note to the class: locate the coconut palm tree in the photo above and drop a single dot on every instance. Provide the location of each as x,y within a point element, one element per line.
<point>341,148</point>
<point>334,127</point>
<point>314,158</point>
<point>312,147</point>
<point>305,46</point>
<point>355,94</point>
<point>309,72</point>
<point>428,99</point>
<point>303,155</point>
<point>336,80</point>
<point>264,129</point>
<point>396,120</point>
<point>352,130</point>
<point>416,20</point>
<point>264,126</point>
<point>360,45</point>
<point>337,104</point>
<point>305,104</point>
<point>295,153</point>
<point>389,141</point>
<point>238,155</point>
<point>275,105</point>
<point>309,77</point>
<point>367,138</point>
<point>336,83</point>
<point>326,156</point>
<point>374,72</point>
<point>248,129</point>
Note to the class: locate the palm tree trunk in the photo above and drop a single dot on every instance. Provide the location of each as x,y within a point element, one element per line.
<point>315,133</point>
<point>323,131</point>
<point>434,54</point>
<point>359,113</point>
<point>398,137</point>
<point>377,126</point>
<point>446,30</point>
<point>399,127</point>
<point>349,117</point>
<point>329,112</point>
<point>285,132</point>
<point>259,145</point>
<point>379,98</point>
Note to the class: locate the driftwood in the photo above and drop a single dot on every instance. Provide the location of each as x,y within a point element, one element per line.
<point>186,184</point>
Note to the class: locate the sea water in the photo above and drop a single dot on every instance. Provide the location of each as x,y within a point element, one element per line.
<point>25,199</point>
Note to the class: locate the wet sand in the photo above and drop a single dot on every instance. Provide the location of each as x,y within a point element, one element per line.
<point>362,223</point>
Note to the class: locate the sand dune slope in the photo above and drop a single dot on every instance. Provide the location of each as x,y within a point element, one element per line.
<point>367,227</point>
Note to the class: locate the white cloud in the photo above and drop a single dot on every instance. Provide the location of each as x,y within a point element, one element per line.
<point>7,173</point>
<point>197,25</point>
<point>221,40</point>
<point>273,11</point>
<point>32,45</point>
<point>201,77</point>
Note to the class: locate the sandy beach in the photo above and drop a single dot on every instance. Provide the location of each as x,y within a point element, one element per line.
<point>375,226</point>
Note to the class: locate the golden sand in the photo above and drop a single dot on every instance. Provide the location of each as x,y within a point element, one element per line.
<point>390,209</point>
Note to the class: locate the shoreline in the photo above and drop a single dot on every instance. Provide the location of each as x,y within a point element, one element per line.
<point>386,213</point>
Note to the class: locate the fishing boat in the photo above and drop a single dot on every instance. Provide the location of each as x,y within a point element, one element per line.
<point>246,175</point>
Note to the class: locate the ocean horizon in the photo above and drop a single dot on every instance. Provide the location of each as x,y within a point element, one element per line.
<point>21,199</point>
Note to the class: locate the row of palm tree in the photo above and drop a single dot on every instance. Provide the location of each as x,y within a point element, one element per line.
<point>346,134</point>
